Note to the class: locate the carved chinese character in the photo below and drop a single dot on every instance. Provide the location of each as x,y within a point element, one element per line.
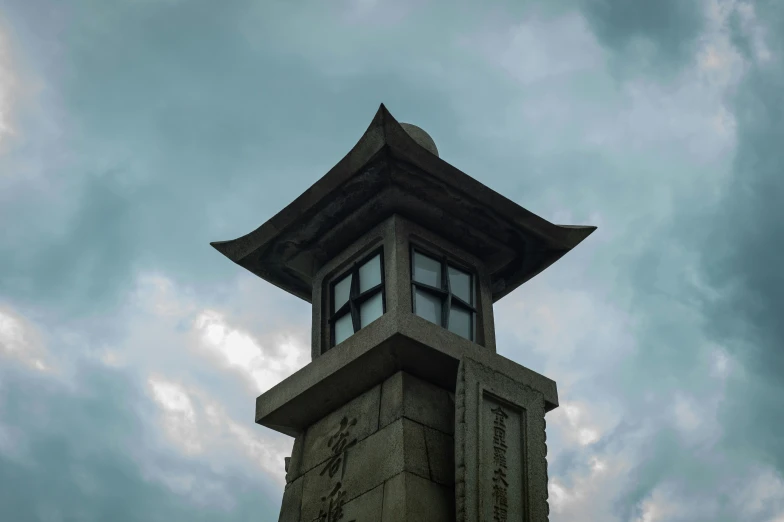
<point>334,507</point>
<point>500,416</point>
<point>500,496</point>
<point>339,443</point>
<point>499,477</point>
<point>500,484</point>
<point>342,430</point>
<point>499,456</point>
<point>499,514</point>
<point>499,437</point>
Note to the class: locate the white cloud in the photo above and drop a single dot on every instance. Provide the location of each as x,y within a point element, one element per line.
<point>179,417</point>
<point>721,364</point>
<point>687,418</point>
<point>753,29</point>
<point>238,348</point>
<point>589,491</point>
<point>20,340</point>
<point>583,424</point>
<point>171,328</point>
<point>241,351</point>
<point>658,508</point>
<point>157,293</point>
<point>200,427</point>
<point>763,492</point>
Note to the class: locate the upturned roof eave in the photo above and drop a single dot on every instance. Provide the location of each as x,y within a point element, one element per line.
<point>403,147</point>
<point>371,142</point>
<point>385,132</point>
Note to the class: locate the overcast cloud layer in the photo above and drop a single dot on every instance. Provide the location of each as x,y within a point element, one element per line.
<point>134,132</point>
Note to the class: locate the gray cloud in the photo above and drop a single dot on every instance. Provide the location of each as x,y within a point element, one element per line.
<point>180,125</point>
<point>79,456</point>
<point>662,33</point>
<point>179,133</point>
<point>743,256</point>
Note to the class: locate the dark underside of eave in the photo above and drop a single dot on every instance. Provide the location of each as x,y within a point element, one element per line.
<point>387,186</point>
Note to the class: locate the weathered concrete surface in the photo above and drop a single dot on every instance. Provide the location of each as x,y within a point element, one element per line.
<point>404,395</point>
<point>290,509</point>
<point>369,357</point>
<point>364,508</point>
<point>363,459</point>
<point>500,444</point>
<point>396,236</point>
<point>364,410</point>
<point>409,498</point>
<point>427,454</point>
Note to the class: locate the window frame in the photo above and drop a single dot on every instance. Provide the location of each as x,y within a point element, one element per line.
<point>445,292</point>
<point>355,297</point>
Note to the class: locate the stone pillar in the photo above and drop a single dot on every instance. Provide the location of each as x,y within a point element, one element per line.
<point>500,443</point>
<point>373,413</point>
<point>385,456</point>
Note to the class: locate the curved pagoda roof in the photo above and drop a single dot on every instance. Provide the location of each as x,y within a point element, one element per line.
<point>388,172</point>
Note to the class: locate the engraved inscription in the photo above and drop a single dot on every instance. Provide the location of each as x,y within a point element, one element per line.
<point>518,463</point>
<point>339,443</point>
<point>333,510</point>
<point>502,461</point>
<point>500,484</point>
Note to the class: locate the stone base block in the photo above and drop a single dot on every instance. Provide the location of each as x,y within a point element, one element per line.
<point>399,434</point>
<point>411,498</point>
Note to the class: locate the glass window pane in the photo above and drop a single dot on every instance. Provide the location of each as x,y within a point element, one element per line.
<point>371,309</point>
<point>427,270</point>
<point>460,282</point>
<point>342,291</point>
<point>428,306</point>
<point>344,328</point>
<point>460,322</point>
<point>370,274</point>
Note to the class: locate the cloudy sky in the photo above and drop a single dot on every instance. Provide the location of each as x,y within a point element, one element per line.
<point>134,132</point>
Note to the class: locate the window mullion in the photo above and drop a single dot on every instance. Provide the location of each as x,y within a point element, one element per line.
<point>447,300</point>
<point>370,292</point>
<point>462,304</point>
<point>353,294</point>
<point>345,307</point>
<point>442,291</point>
<point>432,290</point>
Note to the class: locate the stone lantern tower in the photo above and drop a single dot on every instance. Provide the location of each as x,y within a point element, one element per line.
<point>406,412</point>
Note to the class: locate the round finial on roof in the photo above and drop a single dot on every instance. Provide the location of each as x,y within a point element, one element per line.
<point>421,137</point>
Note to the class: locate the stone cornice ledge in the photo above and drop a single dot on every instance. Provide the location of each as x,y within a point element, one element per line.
<point>369,357</point>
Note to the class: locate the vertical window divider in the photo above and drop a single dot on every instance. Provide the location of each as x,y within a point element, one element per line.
<point>353,293</point>
<point>472,302</point>
<point>446,285</point>
<point>443,288</point>
<point>383,283</point>
<point>353,303</point>
<point>411,254</point>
